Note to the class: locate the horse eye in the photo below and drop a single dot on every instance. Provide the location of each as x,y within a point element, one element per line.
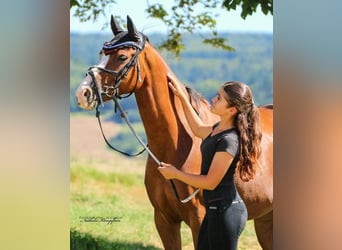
<point>123,58</point>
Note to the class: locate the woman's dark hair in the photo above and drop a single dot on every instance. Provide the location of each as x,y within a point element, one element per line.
<point>248,124</point>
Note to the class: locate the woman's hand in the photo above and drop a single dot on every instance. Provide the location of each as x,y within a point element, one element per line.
<point>175,86</point>
<point>168,171</point>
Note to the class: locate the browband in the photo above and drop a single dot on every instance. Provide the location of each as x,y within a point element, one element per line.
<point>108,47</point>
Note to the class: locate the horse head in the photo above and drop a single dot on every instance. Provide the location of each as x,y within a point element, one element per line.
<point>118,63</point>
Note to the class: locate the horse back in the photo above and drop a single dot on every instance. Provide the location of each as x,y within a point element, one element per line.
<point>266,119</point>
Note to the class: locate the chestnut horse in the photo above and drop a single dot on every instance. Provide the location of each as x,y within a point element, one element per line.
<point>130,64</point>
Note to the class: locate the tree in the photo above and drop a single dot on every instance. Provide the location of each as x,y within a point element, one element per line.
<point>182,17</point>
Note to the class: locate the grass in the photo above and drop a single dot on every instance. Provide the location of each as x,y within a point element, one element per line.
<point>110,209</point>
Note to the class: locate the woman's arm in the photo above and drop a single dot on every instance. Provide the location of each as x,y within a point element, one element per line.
<point>218,169</point>
<point>196,124</point>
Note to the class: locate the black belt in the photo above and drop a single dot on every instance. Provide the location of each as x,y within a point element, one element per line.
<point>216,206</point>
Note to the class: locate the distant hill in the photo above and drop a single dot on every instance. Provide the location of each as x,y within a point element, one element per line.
<point>201,66</point>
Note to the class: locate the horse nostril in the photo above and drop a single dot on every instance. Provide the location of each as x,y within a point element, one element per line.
<point>86,95</point>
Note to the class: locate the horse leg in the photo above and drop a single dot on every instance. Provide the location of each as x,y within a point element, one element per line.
<point>264,230</point>
<point>194,223</point>
<point>195,227</point>
<point>169,231</point>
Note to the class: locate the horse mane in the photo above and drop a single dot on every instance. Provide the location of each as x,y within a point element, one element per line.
<point>196,96</point>
<point>196,99</point>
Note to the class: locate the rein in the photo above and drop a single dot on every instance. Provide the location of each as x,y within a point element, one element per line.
<point>107,142</point>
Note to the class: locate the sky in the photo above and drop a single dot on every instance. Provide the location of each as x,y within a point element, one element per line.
<point>226,21</point>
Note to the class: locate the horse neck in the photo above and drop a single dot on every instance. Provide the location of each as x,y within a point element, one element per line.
<point>156,104</point>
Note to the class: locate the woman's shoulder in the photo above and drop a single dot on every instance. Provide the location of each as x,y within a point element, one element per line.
<point>230,137</point>
<point>230,133</point>
<point>228,142</point>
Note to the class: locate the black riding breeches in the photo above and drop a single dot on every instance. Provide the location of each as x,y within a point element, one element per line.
<point>222,226</point>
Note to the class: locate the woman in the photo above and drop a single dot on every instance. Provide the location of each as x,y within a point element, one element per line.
<point>232,144</point>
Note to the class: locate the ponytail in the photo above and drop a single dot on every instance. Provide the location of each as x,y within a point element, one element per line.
<point>250,139</point>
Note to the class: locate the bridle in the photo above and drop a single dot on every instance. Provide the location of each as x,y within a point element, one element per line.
<point>113,92</point>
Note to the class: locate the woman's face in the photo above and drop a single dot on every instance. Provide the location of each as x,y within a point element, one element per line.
<point>219,104</point>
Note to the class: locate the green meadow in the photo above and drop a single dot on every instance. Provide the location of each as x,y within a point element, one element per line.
<point>109,207</point>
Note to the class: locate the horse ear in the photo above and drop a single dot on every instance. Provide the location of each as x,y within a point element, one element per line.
<point>116,28</point>
<point>132,30</point>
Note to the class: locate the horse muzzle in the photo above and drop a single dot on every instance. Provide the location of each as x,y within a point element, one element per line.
<point>86,98</point>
